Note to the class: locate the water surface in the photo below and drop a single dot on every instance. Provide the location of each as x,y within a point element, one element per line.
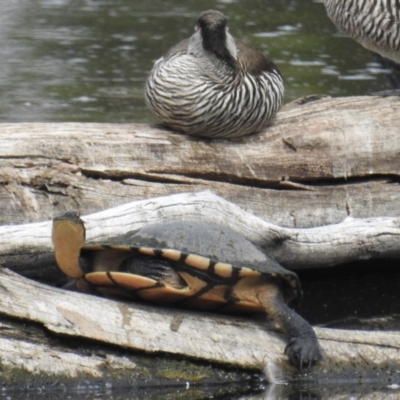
<point>87,60</point>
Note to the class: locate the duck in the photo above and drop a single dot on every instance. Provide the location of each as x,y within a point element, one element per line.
<point>213,85</point>
<point>373,23</point>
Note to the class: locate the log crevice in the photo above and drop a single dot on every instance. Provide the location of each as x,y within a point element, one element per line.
<point>335,149</point>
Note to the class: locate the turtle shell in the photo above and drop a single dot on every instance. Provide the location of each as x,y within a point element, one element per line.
<point>197,264</point>
<point>191,264</point>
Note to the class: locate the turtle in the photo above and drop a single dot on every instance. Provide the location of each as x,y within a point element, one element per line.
<point>191,264</point>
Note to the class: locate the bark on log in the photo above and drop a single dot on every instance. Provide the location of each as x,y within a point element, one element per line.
<point>353,239</point>
<point>320,162</point>
<point>229,340</point>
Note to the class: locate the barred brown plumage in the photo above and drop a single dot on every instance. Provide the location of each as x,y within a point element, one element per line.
<point>213,85</point>
<point>373,23</point>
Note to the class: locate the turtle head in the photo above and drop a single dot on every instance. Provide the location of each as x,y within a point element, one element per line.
<point>68,237</point>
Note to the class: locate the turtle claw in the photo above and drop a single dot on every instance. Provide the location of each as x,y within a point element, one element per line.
<point>303,352</point>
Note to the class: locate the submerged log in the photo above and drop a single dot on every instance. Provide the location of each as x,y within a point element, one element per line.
<point>320,162</point>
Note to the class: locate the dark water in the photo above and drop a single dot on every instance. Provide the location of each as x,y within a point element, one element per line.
<point>87,60</point>
<point>361,294</point>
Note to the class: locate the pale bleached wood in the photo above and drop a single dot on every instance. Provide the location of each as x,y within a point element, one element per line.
<point>37,358</point>
<point>320,162</point>
<point>352,239</point>
<point>230,340</point>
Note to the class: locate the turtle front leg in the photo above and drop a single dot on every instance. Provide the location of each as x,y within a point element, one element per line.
<point>302,349</point>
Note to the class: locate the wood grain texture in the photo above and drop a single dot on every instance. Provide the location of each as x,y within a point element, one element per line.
<point>235,341</point>
<point>320,162</point>
<point>330,165</point>
<point>353,239</point>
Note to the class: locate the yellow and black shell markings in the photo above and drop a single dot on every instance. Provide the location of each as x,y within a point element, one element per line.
<point>205,274</point>
<point>189,280</point>
<point>192,264</point>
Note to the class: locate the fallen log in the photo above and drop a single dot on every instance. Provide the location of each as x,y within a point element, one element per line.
<point>319,165</point>
<point>353,356</point>
<point>36,361</point>
<point>320,162</point>
<point>245,343</point>
<point>353,239</point>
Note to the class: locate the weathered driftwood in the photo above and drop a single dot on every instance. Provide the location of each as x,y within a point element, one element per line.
<point>320,162</point>
<point>352,239</point>
<point>229,340</point>
<point>35,359</point>
<point>34,355</point>
<point>148,329</point>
